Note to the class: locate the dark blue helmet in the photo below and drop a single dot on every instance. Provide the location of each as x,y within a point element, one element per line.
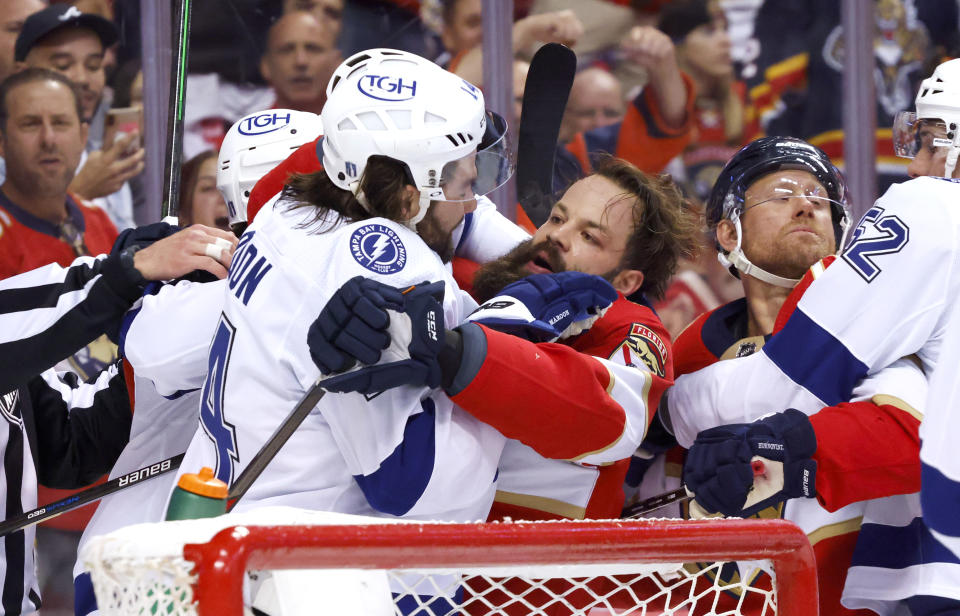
<point>768,155</point>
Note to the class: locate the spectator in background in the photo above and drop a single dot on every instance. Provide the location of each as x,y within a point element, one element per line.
<point>462,27</point>
<point>699,30</point>
<point>200,200</point>
<point>656,125</point>
<point>12,15</point>
<point>466,59</point>
<point>41,139</point>
<point>63,39</point>
<point>299,59</point>
<point>596,99</point>
<point>328,12</point>
<point>520,70</point>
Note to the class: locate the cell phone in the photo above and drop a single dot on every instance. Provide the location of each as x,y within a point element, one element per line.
<point>123,121</point>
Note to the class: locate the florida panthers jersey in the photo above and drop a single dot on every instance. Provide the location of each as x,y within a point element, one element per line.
<point>572,443</point>
<point>352,454</point>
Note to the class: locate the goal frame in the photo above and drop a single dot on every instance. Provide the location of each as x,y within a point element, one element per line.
<point>221,563</point>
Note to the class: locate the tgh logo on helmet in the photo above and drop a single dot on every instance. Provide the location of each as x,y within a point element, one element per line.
<point>387,88</point>
<point>264,123</point>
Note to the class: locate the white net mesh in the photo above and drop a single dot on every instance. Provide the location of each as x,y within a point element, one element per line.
<point>141,570</point>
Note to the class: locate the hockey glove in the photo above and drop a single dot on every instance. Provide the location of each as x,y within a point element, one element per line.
<point>396,335</point>
<point>718,467</point>
<point>352,326</point>
<point>547,307</point>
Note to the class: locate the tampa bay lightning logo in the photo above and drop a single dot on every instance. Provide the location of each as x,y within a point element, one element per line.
<point>378,248</point>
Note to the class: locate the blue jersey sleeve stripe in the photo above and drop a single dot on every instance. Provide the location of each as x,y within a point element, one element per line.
<point>397,485</point>
<point>823,365</point>
<point>940,501</point>
<point>899,547</point>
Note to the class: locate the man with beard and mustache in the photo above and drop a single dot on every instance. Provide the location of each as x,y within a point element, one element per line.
<point>576,410</point>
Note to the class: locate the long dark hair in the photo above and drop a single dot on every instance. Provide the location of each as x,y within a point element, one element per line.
<point>382,184</point>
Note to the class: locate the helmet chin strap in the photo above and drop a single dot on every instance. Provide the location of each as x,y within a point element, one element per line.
<point>421,213</point>
<point>951,162</point>
<point>737,259</point>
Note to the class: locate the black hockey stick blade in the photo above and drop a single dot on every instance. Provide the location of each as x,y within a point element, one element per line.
<point>544,100</point>
<point>89,495</point>
<point>680,495</point>
<point>277,440</point>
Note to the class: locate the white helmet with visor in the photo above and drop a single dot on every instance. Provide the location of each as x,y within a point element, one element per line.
<point>393,103</point>
<point>935,122</point>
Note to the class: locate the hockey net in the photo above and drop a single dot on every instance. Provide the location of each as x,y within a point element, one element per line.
<point>347,565</point>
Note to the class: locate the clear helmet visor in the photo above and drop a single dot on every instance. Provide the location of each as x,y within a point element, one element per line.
<point>795,192</point>
<point>912,134</point>
<point>483,171</point>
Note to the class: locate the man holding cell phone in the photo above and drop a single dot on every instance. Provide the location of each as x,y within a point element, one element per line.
<point>64,39</point>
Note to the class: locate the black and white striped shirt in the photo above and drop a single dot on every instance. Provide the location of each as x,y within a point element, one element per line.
<point>58,431</point>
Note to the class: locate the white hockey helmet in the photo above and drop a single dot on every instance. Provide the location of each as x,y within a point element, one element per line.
<point>254,145</point>
<point>938,100</point>
<point>396,104</point>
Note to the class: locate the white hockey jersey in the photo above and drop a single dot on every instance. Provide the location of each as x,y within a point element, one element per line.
<point>351,455</point>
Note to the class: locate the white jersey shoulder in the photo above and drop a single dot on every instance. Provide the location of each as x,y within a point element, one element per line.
<point>166,337</point>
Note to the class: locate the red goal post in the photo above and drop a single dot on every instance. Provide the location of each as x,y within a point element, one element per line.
<point>222,562</point>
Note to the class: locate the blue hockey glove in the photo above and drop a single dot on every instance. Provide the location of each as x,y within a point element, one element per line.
<point>352,326</point>
<point>718,466</point>
<point>401,349</point>
<point>545,307</point>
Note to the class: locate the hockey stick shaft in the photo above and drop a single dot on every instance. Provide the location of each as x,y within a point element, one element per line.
<point>548,84</point>
<point>89,495</point>
<point>680,495</point>
<point>277,440</point>
<point>178,91</point>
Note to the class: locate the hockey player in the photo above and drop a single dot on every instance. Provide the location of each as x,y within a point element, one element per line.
<point>925,135</point>
<point>169,364</point>
<point>598,388</point>
<point>880,409</point>
<point>574,409</point>
<point>253,147</point>
<point>60,432</point>
<point>396,130</point>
